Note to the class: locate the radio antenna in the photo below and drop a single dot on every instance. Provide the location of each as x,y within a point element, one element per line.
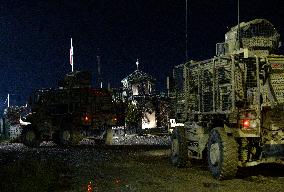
<point>239,44</point>
<point>186,55</point>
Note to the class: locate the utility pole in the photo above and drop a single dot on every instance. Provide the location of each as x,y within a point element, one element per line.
<point>108,85</point>
<point>168,86</point>
<point>100,79</point>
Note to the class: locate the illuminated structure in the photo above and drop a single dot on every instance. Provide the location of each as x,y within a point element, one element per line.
<point>145,109</point>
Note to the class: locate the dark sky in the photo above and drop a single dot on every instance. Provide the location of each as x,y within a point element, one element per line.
<point>35,37</point>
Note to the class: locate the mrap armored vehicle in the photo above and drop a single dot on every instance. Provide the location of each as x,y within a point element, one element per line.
<point>230,108</point>
<point>69,113</point>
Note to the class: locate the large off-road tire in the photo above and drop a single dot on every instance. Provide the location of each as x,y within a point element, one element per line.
<point>65,137</point>
<point>69,137</point>
<point>222,154</point>
<point>179,153</point>
<point>76,137</point>
<point>30,137</point>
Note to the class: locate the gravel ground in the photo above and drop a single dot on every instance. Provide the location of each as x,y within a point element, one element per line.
<point>133,139</point>
<point>142,140</point>
<point>141,166</point>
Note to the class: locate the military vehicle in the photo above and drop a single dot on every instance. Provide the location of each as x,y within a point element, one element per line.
<point>230,108</point>
<point>69,113</point>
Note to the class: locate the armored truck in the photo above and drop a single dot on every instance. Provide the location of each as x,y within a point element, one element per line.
<point>69,113</point>
<point>230,108</point>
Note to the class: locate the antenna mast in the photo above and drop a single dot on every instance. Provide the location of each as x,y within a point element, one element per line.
<point>99,71</point>
<point>186,55</point>
<point>239,44</point>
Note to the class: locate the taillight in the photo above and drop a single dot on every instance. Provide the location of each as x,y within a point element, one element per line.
<point>246,123</point>
<point>114,119</point>
<point>249,124</point>
<point>248,120</point>
<point>86,119</point>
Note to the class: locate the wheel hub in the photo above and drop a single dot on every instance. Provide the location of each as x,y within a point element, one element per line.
<point>214,153</point>
<point>66,135</point>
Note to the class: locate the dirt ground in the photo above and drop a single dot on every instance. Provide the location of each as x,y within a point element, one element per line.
<point>119,168</point>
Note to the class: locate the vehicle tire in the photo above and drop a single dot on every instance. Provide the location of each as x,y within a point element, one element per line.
<point>69,137</point>
<point>179,152</point>
<point>222,154</point>
<point>30,137</point>
<point>108,136</point>
<point>76,137</point>
<point>65,137</point>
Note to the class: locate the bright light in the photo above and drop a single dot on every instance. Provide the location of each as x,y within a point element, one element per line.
<point>90,187</point>
<point>246,123</point>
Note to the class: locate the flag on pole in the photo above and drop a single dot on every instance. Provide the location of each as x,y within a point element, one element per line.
<point>71,55</point>
<point>137,63</point>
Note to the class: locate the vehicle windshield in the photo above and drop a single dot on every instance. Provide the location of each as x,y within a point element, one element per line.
<point>258,30</point>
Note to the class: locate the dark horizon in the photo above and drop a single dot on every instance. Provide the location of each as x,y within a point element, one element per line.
<point>35,38</point>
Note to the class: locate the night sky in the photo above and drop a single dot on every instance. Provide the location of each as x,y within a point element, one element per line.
<point>35,37</point>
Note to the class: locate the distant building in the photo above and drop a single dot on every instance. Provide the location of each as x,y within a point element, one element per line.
<point>138,84</point>
<point>144,105</point>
